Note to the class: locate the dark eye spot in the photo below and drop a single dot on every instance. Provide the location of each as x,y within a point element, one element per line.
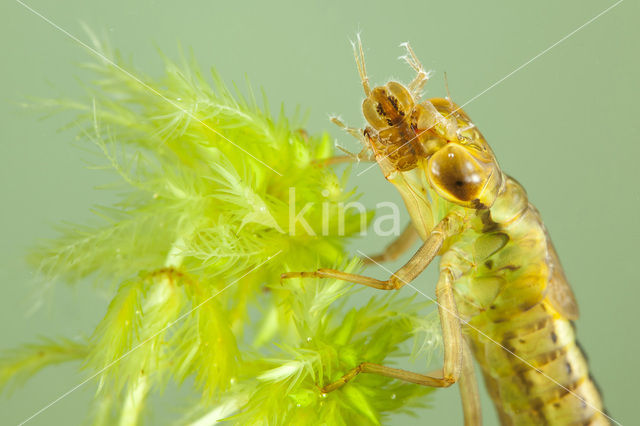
<point>457,172</point>
<point>380,110</point>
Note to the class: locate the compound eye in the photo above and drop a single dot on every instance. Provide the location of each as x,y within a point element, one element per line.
<point>457,175</point>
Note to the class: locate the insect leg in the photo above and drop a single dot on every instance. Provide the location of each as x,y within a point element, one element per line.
<point>418,262</point>
<point>356,133</point>
<point>338,159</point>
<point>449,320</point>
<point>399,246</point>
<point>364,155</point>
<point>449,225</point>
<point>468,386</point>
<point>453,349</point>
<point>457,359</point>
<point>358,52</point>
<point>415,87</point>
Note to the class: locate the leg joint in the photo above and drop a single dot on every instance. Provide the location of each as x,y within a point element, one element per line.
<point>448,381</point>
<point>395,283</point>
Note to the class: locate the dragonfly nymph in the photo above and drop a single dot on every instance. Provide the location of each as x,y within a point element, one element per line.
<point>502,295</point>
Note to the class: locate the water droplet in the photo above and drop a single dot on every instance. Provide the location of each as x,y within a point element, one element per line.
<point>323,395</point>
<point>325,193</point>
<point>393,396</point>
<point>309,339</point>
<point>298,405</point>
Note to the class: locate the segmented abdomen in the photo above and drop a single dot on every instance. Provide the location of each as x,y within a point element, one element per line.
<point>533,367</point>
<point>539,375</point>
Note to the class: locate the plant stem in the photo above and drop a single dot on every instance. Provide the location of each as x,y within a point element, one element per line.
<point>137,392</point>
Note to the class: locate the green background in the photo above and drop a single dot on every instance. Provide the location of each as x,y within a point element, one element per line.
<point>565,126</point>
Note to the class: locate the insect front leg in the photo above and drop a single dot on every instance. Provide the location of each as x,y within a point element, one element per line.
<point>449,225</point>
<point>349,158</point>
<point>407,273</point>
<point>364,155</point>
<point>399,246</point>
<point>421,78</point>
<point>356,133</point>
<point>358,53</point>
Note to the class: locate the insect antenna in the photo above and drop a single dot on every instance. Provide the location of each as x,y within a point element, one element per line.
<point>451,104</point>
<point>454,110</point>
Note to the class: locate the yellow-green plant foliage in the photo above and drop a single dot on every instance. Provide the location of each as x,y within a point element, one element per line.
<point>193,251</point>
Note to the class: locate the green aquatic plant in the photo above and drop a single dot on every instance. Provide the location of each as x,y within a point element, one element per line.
<point>211,194</point>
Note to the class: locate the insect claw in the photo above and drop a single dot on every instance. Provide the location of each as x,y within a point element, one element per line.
<point>358,41</point>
